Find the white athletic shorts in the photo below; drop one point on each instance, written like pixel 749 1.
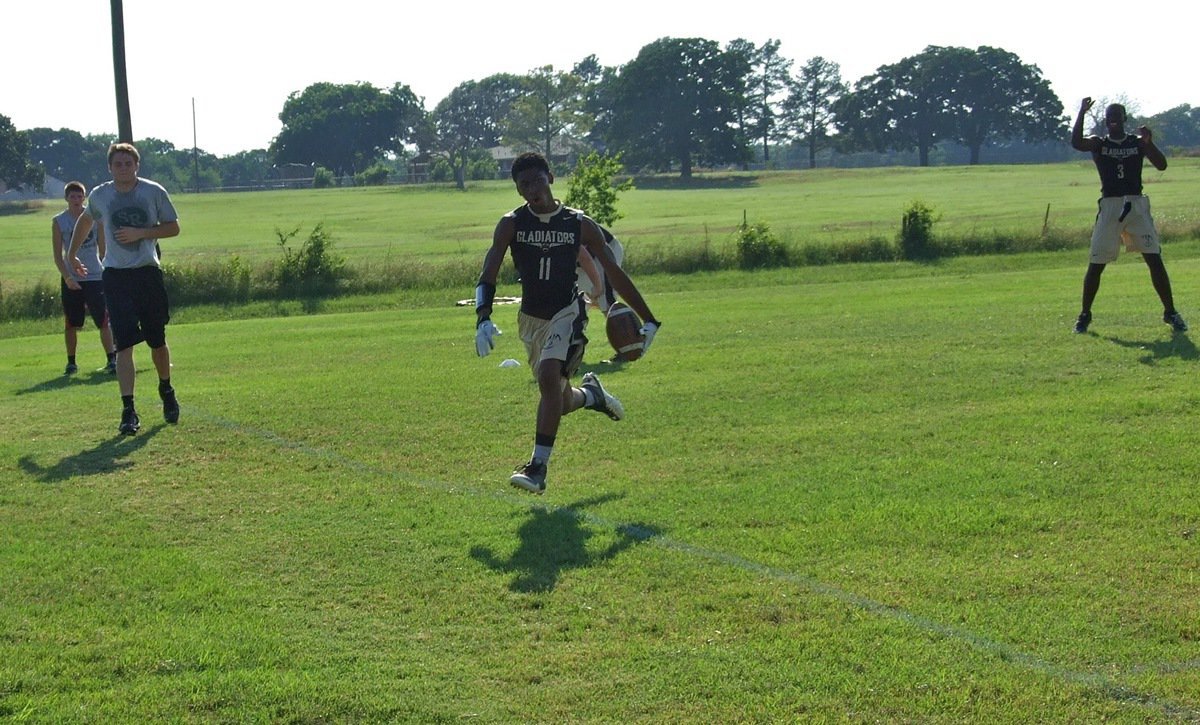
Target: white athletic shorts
pixel 1123 220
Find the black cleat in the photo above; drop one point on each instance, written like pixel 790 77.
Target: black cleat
pixel 1081 324
pixel 71 369
pixel 130 423
pixel 530 477
pixel 170 407
pixel 1175 320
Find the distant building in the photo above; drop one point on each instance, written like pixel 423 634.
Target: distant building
pixel 52 188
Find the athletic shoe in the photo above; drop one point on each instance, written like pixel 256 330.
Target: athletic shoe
pixel 130 423
pixel 1175 320
pixel 530 477
pixel 602 401
pixel 71 369
pixel 111 367
pixel 1081 324
pixel 170 407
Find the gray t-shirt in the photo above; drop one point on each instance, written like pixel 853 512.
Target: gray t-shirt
pixel 89 251
pixel 145 206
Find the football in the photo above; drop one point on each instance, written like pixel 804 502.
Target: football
pixel 624 332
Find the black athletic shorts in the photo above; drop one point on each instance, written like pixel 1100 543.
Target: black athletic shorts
pixel 88 299
pixel 137 306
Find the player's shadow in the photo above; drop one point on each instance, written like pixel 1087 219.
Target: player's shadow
pixel 554 540
pixel 60 382
pixel 106 456
pixel 1179 346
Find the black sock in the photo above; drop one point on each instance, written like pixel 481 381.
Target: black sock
pixel 70 359
pixel 127 401
pixel 164 386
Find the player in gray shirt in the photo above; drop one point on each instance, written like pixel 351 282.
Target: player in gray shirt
pixel 133 214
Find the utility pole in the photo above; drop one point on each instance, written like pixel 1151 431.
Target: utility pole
pixel 124 127
pixel 195 153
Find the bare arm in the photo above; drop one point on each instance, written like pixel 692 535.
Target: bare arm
pixel 56 239
pixel 1152 152
pixel 1078 141
pixel 83 227
pixel 624 286
pixel 501 239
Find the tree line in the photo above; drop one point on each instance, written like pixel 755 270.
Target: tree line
pixel 680 104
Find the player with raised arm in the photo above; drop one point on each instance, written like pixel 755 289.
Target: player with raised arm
pixel 1124 212
pixel 545 239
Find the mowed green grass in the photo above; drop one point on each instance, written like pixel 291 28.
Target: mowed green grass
pixel 886 493
pixel 429 224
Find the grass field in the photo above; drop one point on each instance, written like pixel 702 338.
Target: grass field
pixel 381 226
pixel 869 493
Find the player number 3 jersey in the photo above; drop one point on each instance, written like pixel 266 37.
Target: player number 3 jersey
pixel 1120 165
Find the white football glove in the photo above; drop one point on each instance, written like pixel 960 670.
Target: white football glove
pixel 485 335
pixel 649 330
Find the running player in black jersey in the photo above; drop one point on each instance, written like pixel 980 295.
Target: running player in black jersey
pixel 545 239
pixel 1124 213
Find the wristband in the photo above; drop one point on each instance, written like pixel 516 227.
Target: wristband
pixel 485 294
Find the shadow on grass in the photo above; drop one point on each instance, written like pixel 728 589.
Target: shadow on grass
pixel 106 457
pixel 554 540
pixel 1180 346
pixel 60 382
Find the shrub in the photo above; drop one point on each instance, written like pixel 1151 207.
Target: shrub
pixel 441 171
pixel 311 270
pixel 37 302
pixel 322 178
pixel 376 175
pixel 225 283
pixel 916 232
pixel 481 169
pixel 758 248
pixel 591 187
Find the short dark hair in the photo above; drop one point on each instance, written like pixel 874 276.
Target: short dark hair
pixel 530 160
pixel 74 186
pixel 1116 107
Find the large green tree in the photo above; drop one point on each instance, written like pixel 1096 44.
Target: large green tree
pixel 549 113
pixel 765 84
pixel 900 106
pixel 346 127
pixel 675 105
pixel 470 117
pixel 16 170
pixel 972 96
pixel 69 155
pixel 808 110
pixel 598 82
pixel 246 168
pixel 999 98
pixel 1176 127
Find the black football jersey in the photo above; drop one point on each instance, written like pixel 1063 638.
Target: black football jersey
pixel 545 254
pixel 1120 166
